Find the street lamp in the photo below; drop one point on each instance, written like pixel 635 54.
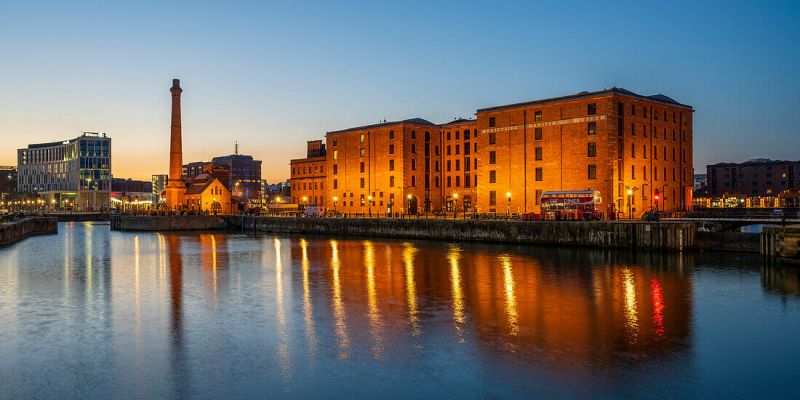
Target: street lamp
pixel 630 197
pixel 335 202
pixel 508 203
pixel 409 204
pixel 455 205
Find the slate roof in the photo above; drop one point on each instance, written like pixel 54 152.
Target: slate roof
pixel 414 121
pixel 615 90
pixel 199 183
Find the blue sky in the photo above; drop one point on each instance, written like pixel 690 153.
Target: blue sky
pixel 274 74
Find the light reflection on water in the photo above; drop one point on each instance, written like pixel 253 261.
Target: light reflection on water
pixel 98 314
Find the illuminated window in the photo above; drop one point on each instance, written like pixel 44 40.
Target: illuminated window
pixel 592 128
pixel 537 116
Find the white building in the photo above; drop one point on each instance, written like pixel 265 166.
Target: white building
pixel 73 173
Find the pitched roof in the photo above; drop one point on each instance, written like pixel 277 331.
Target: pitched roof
pixel 199 183
pixel 414 121
pixel 582 95
pixel 459 121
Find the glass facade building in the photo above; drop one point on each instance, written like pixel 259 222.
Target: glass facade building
pixel 75 172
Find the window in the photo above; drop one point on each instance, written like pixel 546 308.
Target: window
pixel 633 129
pixel 335 184
pixel 538 154
pixel 413 148
pixel 492 157
pixel 644 151
pixel 592 149
pixel 391 149
pixel 361 167
pixel 458 165
pixel 645 111
pixel 466 180
pixel 466 134
pixel 633 151
pixel 492 176
pixel 362 183
pixel 336 154
pixel 633 109
pixel 448 166
pixel 391 181
pixel 391 165
pixel 592 171
pixel 335 169
pixel 633 172
pixel 492 198
pixel 361 139
pixel 448 150
pixel 466 149
pixel 413 134
pixel 413 181
pixel 391 134
pixel 457 148
pixel 537 116
pixel 538 174
pixel 644 172
pixel 492 138
pixel 335 142
pixel 362 152
pixel 655 153
pixel 457 132
pixel 491 122
pixel 458 181
pixel 592 128
pixel 449 181
pixel 591 109
pixel 537 134
pixel 413 165
pixel 448 135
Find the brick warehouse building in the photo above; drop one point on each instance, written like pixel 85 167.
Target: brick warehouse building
pixel 308 175
pixel 614 141
pixel 386 167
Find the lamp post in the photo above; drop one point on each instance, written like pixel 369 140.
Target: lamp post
pixel 508 204
pixel 656 197
pixel 408 210
pixel 630 197
pixel 455 205
pixel 335 202
pixel 369 205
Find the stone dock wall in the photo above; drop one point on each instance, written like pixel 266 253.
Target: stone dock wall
pixel 11 232
pixel 167 223
pixel 633 235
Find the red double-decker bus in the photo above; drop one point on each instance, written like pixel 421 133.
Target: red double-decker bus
pixel 572 205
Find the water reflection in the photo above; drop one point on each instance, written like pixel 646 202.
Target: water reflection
pixel 216 315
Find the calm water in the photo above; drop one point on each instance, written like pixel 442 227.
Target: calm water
pixel 97 314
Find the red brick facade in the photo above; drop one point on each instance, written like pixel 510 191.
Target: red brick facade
pixel 614 141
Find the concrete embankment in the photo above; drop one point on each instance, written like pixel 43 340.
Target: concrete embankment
pixel 167 223
pixel 80 217
pixel 15 231
pixel 634 235
pixel 728 241
pixel 782 243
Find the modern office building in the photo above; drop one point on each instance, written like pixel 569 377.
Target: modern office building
pixel 245 176
pixel 74 172
pixel 159 185
pixel 308 175
pixel 635 150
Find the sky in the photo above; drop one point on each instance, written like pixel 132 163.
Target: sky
pixel 274 74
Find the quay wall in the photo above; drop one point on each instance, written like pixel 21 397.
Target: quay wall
pixel 11 232
pixel 633 235
pixel 167 223
pixel 728 241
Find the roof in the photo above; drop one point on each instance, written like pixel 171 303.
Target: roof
pixel 307 159
pixel 459 121
pixel 754 163
pixel 199 183
pixel 414 121
pixel 582 95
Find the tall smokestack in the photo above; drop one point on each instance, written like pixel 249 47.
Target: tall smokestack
pixel 175 185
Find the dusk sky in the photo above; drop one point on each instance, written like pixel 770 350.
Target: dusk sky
pixel 275 74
